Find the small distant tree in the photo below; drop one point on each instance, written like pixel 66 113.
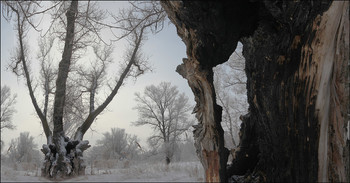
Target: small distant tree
pixel 23 149
pixel 164 109
pixel 7 108
pixel 117 144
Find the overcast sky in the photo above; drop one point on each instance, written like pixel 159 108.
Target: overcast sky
pixel 165 51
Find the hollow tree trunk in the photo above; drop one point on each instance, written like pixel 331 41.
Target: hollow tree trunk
pixel 205 36
pixel 296 57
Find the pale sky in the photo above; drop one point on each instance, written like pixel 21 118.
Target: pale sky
pixel 165 51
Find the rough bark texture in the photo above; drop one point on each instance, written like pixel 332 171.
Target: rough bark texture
pixel 209 135
pixel 203 29
pixel 296 56
pixel 63 69
pixel 296 90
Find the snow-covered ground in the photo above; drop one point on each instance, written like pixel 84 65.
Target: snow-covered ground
pixel 146 172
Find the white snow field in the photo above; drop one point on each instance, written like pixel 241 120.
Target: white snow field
pixel 147 172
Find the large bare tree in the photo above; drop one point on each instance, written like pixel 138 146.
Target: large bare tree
pixel 80 28
pixel 166 111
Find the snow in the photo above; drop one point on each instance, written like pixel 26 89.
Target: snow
pixel 146 172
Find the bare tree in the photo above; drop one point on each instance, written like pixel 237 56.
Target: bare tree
pixel 7 108
pixel 167 112
pixel 79 30
pixel 230 86
pixel 117 144
pixel 23 149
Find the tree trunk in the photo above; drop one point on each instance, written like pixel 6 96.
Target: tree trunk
pixel 296 92
pixel 207 47
pixel 296 56
pixel 64 157
pixel 209 135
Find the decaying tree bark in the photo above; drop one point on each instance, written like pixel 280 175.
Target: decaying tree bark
pixel 205 35
pixel 209 133
pixel 296 64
